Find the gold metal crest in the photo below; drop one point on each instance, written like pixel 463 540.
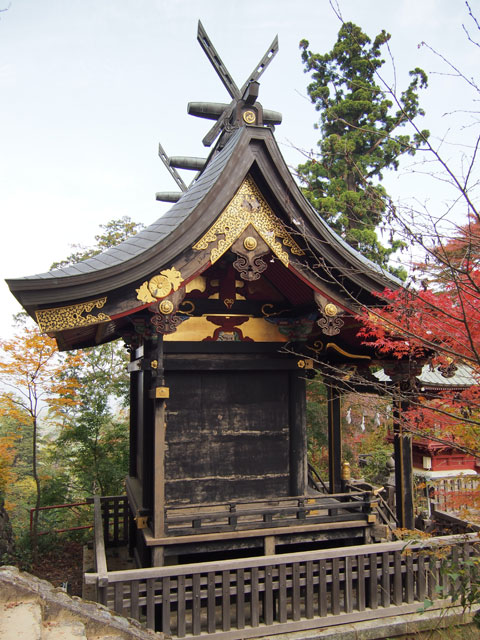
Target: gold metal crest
pixel 250 243
pixel 330 310
pixel 249 117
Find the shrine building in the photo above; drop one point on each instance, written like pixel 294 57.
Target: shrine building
pixel 228 303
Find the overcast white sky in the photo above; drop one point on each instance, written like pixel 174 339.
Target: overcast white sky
pixel 89 87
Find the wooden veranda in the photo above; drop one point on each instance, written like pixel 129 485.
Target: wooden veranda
pixel 272 594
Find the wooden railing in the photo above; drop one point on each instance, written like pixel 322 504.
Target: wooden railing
pixel 448 523
pixel 113 519
pixel 252 597
pixel 456 493
pixel 261 514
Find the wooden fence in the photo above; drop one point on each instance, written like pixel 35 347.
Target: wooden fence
pixel 455 494
pixel 253 597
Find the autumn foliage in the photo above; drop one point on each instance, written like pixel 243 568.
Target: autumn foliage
pixel 438 321
pixel 36 384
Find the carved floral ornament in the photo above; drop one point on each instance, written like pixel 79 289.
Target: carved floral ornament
pixel 248 207
pixel 160 286
pixel 164 295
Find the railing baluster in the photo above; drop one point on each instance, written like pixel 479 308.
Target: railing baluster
pixel 385 597
pixel 134 589
pixel 296 591
pixel 397 578
pixel 226 622
pixel 151 603
pixel 268 597
pixel 118 597
pixel 467 552
pixel 166 595
pixel 336 586
pixel 322 588
pixel 432 575
pixel 106 523
pixel 282 593
pixel 309 589
pixel 421 576
pixel 454 587
pixel 361 583
pixel 254 614
pixel 232 519
pixel 211 602
pixel 373 582
pixel 409 579
pixel 240 598
pixel 116 518
pixel 348 585
pixel 181 608
pixel 196 597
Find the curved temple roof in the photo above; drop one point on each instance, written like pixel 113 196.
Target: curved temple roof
pixel 67 299
pixel 142 253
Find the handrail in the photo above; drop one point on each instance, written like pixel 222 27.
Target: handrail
pixel 279 559
pixel 100 556
pixel 227 503
pixel 68 505
pixel 316 478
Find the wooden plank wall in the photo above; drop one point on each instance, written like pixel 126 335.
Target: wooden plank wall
pixel 227 436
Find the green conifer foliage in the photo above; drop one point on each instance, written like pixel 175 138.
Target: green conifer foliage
pixel 362 127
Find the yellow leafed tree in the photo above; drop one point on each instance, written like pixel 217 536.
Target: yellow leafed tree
pixel 34 383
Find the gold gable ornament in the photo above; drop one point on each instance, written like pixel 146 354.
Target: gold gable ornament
pixel 248 206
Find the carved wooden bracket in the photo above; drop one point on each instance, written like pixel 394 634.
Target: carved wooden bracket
pixel 330 322
pixel 250 248
pixel 165 319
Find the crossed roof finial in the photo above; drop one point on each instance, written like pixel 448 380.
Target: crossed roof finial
pixel 242 109
pixel 247 91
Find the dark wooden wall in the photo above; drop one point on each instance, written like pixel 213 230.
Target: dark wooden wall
pixel 227 435
pixel 235 427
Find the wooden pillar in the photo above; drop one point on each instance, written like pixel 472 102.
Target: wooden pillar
pixel 334 439
pixel 402 444
pixel 298 435
pixel 403 375
pixel 146 428
pixel 159 393
pixel 132 469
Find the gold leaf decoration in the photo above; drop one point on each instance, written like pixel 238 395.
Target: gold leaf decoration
pixel 248 206
pixel 173 276
pixel 160 285
pixel 144 294
pixel 72 316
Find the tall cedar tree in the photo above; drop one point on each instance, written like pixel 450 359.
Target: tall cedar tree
pixel 359 140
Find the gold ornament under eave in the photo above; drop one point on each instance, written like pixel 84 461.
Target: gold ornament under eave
pixel 159 285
